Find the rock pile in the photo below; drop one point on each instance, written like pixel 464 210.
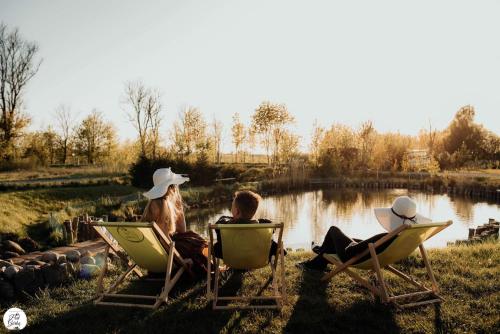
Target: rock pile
pixel 51 269
pixel 12 246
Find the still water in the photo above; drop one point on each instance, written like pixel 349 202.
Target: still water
pixel 308 215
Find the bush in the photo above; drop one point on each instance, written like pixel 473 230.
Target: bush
pixel 200 173
pixel 255 174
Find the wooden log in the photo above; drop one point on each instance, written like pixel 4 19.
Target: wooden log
pixel 472 232
pixel 74 228
pixel 69 232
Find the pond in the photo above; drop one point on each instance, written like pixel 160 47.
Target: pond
pixel 308 215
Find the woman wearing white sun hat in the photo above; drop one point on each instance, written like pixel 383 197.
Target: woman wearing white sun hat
pixel 165 207
pixel 403 210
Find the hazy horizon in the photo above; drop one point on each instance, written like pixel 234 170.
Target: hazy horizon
pixel 399 64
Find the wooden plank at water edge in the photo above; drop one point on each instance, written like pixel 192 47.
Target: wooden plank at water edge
pixel 93 246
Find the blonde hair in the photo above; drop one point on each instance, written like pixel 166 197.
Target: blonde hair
pixel 165 211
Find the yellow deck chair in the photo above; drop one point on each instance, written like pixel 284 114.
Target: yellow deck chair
pixel 247 246
pixel 147 247
pixel 408 238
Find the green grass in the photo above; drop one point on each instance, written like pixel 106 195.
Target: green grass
pixel 468 277
pixel 25 211
pixel 59 173
pixel 20 209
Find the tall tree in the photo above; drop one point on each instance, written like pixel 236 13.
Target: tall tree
pixel 217 128
pixel 65 122
pixel 316 139
pixel 17 67
pixel 190 132
pixel 95 138
pixel 41 146
pixel 463 134
pixel 366 136
pixel 289 148
pixel 269 120
pixel 238 134
pixel 145 114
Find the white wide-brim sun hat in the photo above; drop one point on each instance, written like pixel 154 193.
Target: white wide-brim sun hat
pixel 403 209
pixel 162 179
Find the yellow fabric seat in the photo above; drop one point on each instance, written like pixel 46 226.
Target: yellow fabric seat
pixel 247 247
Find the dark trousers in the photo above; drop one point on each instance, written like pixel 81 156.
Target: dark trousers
pixel 337 242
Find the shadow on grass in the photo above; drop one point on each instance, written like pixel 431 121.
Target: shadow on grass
pixel 187 311
pixel 316 311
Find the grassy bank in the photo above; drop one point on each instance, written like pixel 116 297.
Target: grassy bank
pixel 20 209
pixel 468 276
pixel 23 212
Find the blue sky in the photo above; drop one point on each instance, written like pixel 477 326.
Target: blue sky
pixel 398 63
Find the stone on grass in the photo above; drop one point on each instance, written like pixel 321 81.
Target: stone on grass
pixel 55 275
pixel 10 255
pixel 100 258
pixel 85 253
pixel 35 263
pixel 28 244
pixel 73 255
pixel 71 269
pixel 88 270
pixel 6 290
pixel 11 271
pixel 13 247
pixel 29 280
pixel 87 260
pixel 50 257
pixel 5 263
pixel 61 259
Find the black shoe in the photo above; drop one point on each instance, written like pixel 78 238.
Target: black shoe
pixel 309 265
pixel 316 249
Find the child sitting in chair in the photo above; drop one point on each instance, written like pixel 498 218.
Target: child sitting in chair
pixel 243 209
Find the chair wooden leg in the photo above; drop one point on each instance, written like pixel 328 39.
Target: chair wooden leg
pixel 121 278
pixel 100 287
pixel 209 272
pixel 435 287
pixel 282 272
pixel 380 277
pixel 216 284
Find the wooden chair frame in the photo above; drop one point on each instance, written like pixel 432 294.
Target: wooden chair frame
pixel 279 288
pixel 381 288
pixel 170 280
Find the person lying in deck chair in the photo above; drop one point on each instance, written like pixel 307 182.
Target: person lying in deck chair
pixel 403 209
pixel 243 209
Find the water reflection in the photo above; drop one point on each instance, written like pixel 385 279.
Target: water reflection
pixel 308 215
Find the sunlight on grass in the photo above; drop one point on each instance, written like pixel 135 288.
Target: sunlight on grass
pixel 466 274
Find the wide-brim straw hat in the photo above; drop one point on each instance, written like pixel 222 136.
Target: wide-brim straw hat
pixel 162 179
pixel 403 209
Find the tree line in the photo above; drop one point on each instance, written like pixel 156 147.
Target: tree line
pixel 334 150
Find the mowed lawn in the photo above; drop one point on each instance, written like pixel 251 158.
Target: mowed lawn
pixel 468 276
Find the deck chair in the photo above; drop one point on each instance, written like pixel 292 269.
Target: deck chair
pixel 147 247
pixel 247 247
pixel 408 238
